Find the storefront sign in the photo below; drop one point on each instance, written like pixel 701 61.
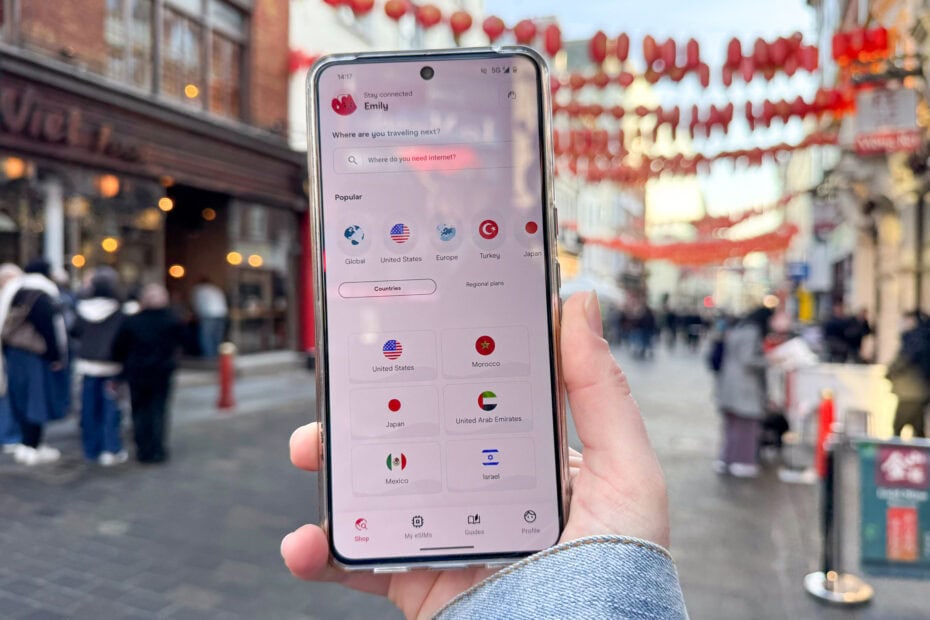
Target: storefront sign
pixel 23 113
pixel 886 121
pixel 895 508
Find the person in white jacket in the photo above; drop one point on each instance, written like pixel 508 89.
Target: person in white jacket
pixel 98 320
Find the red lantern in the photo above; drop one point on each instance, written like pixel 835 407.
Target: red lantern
pixel 668 54
pixel 552 39
pixel 693 54
pixel 428 15
pixel 809 58
pixel 623 47
pixel 778 52
pixel 597 47
pixel 334 3
pixel 650 50
pixel 362 7
pixel 727 76
pixel 460 22
pixel 494 27
pixel 395 9
pixel 601 79
pixel 555 85
pixel 734 54
pixel 524 31
pixel 704 74
pixel 625 79
pixel 577 81
pixel 760 54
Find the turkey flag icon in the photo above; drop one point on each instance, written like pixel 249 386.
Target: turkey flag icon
pixel 344 105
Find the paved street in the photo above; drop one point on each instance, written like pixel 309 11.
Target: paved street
pixel 199 538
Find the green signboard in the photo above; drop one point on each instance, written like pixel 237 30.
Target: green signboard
pixel 895 508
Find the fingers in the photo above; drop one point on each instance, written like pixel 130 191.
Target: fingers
pixel 306 554
pixel 305 447
pixel 606 416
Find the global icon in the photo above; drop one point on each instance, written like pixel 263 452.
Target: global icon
pixel 354 234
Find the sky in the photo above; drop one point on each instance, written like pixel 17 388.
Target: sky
pixel 713 23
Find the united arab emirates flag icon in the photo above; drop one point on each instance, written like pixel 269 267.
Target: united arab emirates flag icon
pixel 396 461
pixel 487 400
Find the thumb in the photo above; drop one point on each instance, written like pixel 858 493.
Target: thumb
pixel 606 417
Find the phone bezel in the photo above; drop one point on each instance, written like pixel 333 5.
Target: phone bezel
pixel 401 564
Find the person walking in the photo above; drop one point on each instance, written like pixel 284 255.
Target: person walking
pixel 147 345
pixel 909 374
pixel 34 344
pixel 98 320
pixel 834 335
pixel 741 395
pixel 11 436
pixel 857 330
pixel 209 303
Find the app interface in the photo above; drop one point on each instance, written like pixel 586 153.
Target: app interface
pixel 441 410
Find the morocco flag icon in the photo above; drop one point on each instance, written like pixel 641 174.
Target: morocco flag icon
pixel 396 461
pixel 484 345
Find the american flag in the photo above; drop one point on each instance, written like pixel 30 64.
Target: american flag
pixel 400 233
pixel 392 349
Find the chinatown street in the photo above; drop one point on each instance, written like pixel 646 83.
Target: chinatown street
pixel 199 538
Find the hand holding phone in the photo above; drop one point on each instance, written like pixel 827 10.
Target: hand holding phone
pixel 617 483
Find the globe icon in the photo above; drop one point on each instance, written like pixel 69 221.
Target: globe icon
pixel 354 234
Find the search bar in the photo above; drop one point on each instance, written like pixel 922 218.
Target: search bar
pixel 417 158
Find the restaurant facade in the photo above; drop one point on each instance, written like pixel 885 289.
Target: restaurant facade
pixel 149 135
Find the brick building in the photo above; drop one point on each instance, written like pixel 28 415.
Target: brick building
pixel 149 135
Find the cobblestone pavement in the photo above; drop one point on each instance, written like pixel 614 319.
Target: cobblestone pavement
pixel 199 537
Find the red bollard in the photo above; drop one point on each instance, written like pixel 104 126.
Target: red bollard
pixel 227 376
pixel 826 416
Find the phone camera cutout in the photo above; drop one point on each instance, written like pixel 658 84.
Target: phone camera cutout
pixel 427 73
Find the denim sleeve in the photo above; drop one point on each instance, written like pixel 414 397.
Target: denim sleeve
pixel 593 577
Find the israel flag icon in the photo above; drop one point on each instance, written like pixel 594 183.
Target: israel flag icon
pixel 490 458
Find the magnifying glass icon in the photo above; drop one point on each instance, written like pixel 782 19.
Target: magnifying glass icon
pixel 352 160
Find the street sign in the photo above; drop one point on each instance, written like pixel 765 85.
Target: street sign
pixel 798 271
pixel 895 501
pixel 886 121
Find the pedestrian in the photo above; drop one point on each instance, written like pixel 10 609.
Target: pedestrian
pixel 98 320
pixel 857 329
pixel 34 345
pixel 209 303
pixel 147 345
pixel 609 562
pixel 670 321
pixel 741 394
pixel 11 436
pixel 835 337
pixel 909 374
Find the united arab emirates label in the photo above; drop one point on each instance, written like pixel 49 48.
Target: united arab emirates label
pixel 895 508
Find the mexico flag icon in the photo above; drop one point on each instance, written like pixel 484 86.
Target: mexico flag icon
pixel 396 461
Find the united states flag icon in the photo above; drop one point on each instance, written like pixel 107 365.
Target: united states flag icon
pixel 392 349
pixel 400 233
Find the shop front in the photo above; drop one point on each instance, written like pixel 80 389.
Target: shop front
pixel 92 174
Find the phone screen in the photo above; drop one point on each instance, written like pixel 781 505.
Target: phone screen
pixel 442 416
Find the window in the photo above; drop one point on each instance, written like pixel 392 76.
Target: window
pixel 201 53
pixel 127 33
pixel 182 58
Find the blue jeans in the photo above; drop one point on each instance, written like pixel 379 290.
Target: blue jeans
pixel 100 418
pixel 211 331
pixel 10 433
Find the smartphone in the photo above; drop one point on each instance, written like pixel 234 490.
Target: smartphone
pixel 437 311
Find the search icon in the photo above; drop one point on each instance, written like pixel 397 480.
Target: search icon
pixel 352 160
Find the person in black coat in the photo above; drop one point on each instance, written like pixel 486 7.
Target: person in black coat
pixel 147 345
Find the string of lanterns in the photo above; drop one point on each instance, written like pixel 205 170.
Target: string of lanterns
pixel 600 162
pixel 700 252
pixel 667 58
